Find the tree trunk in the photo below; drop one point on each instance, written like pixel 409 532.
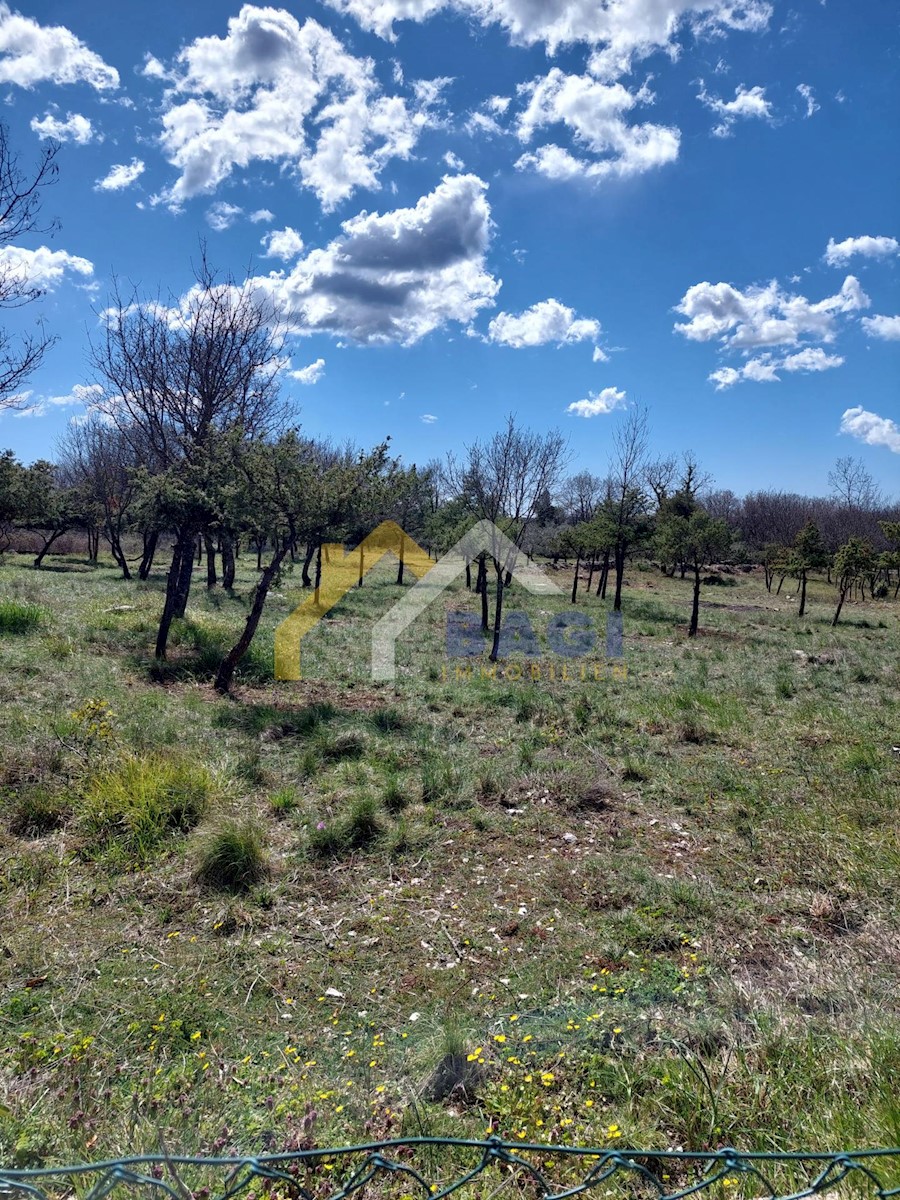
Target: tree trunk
pixel 210 547
pixel 150 540
pixel 695 607
pixel 115 547
pixel 229 663
pixel 47 544
pixel 498 616
pixel 198 549
pixel 481 589
pixel 93 539
pixel 305 577
pixel 780 585
pixel 182 551
pixel 400 565
pixel 185 578
pixel 620 571
pixel 228 563
pixel 592 566
pixel 575 580
pixel 604 576
pixel 362 565
pixel 841 598
pixel 802 594
pixel 259 553
pixel 318 571
pixel 468 576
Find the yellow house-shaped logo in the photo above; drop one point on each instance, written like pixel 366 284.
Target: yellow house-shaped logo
pixel 339 573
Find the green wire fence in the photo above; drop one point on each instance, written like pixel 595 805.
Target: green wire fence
pixel 437 1167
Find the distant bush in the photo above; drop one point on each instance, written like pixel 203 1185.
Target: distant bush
pixel 129 810
pixel 19 618
pixel 232 858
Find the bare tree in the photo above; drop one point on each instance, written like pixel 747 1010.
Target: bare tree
pixel 504 480
pixel 628 496
pixel 20 201
pixel 852 485
pixel 189 385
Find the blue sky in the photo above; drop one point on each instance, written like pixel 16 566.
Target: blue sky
pixel 463 208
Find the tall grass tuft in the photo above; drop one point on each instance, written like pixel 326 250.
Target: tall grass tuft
pixel 130 810
pixel 19 618
pixel 232 858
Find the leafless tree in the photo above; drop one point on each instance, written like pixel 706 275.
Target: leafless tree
pixel 503 480
pixel 628 496
pixel 20 201
pixel 852 485
pixel 187 384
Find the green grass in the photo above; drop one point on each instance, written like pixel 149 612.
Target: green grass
pixel 675 891
pixel 19 618
pixel 130 809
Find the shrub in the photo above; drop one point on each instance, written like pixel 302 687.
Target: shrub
pixel 131 809
pixel 232 858
pixel 19 618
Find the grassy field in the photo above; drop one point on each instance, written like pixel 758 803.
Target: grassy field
pixel 654 909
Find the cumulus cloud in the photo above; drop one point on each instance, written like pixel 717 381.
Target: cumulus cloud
pixel 75 128
pixel 765 368
pixel 283 243
pixel 886 328
pixel 838 254
pixel 396 276
pixel 311 374
pixel 620 29
pixel 222 215
pixel 606 144
pixel 747 102
pixel 261 214
pixel 120 176
pixel 428 418
pixel 807 93
pixel 43 268
pixel 598 403
pixel 764 316
pixel 273 90
pixel 543 323
pixel 868 427
pixel 31 53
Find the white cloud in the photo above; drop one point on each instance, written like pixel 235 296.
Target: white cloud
pixel 428 418
pixel 283 243
pixel 81 395
pixel 868 427
pixel 545 322
pixel 453 161
pixel 807 93
pixel 764 316
pixel 764 368
pixel 222 215
pixel 75 128
pixel 811 359
pixel 838 254
pixel 747 102
pixel 599 355
pixel 31 53
pixel 886 328
pixel 395 277
pixel 311 374
pixel 120 176
pixel 607 145
pixel 261 214
pixel 273 90
pixel 42 268
pixel 625 29
pixel 598 403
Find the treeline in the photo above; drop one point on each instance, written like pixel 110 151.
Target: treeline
pixel 190 449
